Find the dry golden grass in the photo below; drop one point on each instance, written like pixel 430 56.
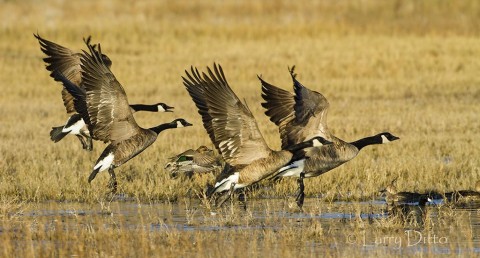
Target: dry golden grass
pixel 407 67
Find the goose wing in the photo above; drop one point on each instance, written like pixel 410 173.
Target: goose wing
pixel 109 113
pixel 235 130
pixel 64 61
pixel 195 87
pixel 310 107
pixel 299 117
pixel 279 105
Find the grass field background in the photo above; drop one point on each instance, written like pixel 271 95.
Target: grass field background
pixel 407 67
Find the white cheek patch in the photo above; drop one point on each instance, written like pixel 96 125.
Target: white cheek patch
pixel 317 143
pixel 384 139
pixel 104 163
pixel 179 124
pixel 160 108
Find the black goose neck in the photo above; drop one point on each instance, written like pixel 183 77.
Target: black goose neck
pixel 367 141
pixel 298 146
pixel 142 107
pixel 160 128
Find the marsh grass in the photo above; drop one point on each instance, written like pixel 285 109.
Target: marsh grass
pixel 399 66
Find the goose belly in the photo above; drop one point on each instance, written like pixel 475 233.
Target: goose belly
pixel 329 159
pixel 226 183
pixel 264 167
pixel 129 148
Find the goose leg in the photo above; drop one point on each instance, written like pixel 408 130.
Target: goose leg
pixel 243 199
pixel 84 144
pixel 300 192
pixel 89 140
pixel 112 183
pixel 227 195
pixel 89 143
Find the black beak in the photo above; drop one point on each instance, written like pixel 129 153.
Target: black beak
pixel 168 108
pixel 188 124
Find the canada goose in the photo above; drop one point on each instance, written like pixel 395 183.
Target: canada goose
pixel 103 104
pixel 67 62
pixel 234 132
pixel 189 162
pixel 301 116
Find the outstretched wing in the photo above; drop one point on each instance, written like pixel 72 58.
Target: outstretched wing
pixel 299 117
pixel 235 130
pixel 279 105
pixel 65 62
pixel 110 115
pixel 195 87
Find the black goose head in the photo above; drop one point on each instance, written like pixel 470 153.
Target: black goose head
pixel 318 141
pixel 380 138
pixel 387 137
pixel 177 123
pixel 180 122
pixel 162 107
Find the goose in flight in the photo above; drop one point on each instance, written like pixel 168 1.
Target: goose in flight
pixel 67 62
pixel 234 132
pixel 301 116
pixel 103 105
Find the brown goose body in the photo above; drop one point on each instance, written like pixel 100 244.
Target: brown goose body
pixel 324 159
pixel 127 149
pixel 263 167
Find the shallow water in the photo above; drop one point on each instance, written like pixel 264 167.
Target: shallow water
pixel 361 226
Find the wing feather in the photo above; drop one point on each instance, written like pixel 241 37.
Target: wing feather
pixel 64 61
pixel 110 115
pixel 300 116
pixel 235 130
